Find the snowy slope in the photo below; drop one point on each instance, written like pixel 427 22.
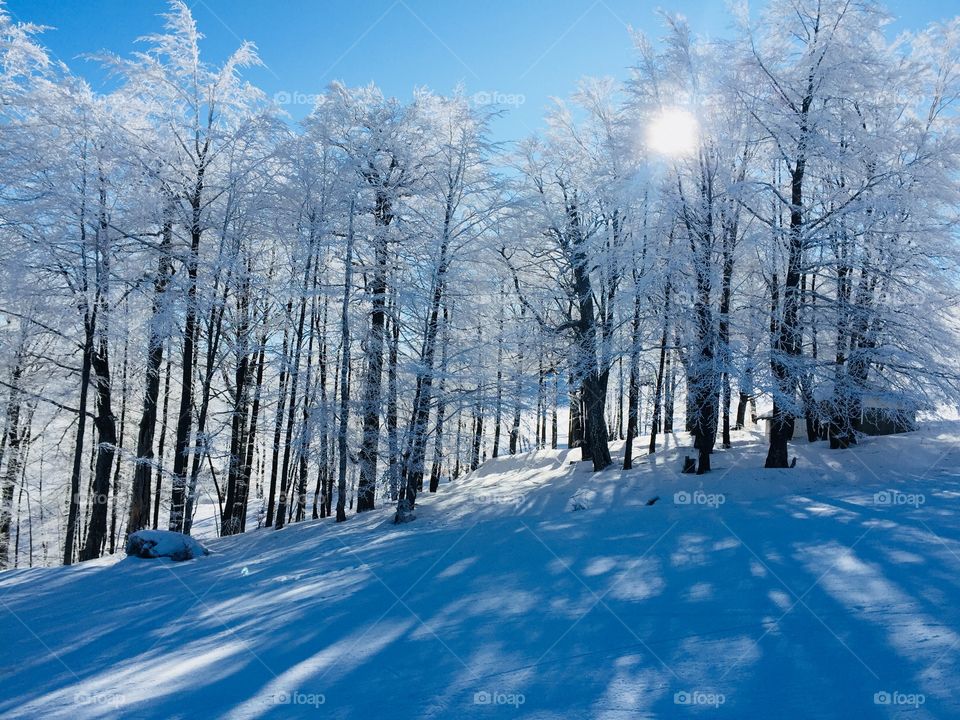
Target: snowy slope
pixel 797 593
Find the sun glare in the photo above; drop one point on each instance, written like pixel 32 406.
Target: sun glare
pixel 673 132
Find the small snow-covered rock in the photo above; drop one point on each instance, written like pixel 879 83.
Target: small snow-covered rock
pixel 164 543
pixel 582 499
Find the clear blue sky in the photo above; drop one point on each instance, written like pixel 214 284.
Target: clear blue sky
pixel 530 48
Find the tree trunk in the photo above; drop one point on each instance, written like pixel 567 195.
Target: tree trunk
pixel 412 466
pixel 106 449
pixel 234 502
pixel 477 431
pixel 787 346
pixel 437 468
pixel 554 420
pixel 139 517
pixel 593 370
pixel 74 511
pixel 161 445
pixel 123 421
pixel 323 471
pixel 278 421
pixel 12 443
pixel 575 425
pixel 294 377
pixel 190 333
pixel 633 383
pixel 393 450
pixel 344 375
pixel 498 403
pixel 367 486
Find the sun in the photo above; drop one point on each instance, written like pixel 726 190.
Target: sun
pixel 673 132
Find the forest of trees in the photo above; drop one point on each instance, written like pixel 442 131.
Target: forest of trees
pixel 204 303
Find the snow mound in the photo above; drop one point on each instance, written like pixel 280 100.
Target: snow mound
pixel 582 499
pixel 164 543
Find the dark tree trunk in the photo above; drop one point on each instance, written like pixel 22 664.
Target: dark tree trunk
pixel 661 381
pixel 669 393
pixel 620 397
pixel 323 471
pixel 285 475
pixel 594 382
pixel 498 403
pixel 367 486
pixel 554 420
pixel 309 396
pixel 106 449
pixel 190 331
pixel 140 490
pixel 438 458
pixel 456 466
pixel 231 518
pixel 724 337
pixel 119 451
pixel 344 376
pixel 214 334
pixel 745 398
pixel 477 434
pixel 74 511
pixel 393 445
pixel 246 469
pixel 742 402
pixel 633 385
pixel 412 466
pixel 12 441
pixel 161 445
pixel 278 421
pixel 787 346
pixel 575 428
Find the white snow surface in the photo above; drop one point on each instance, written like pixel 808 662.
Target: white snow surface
pixel 826 591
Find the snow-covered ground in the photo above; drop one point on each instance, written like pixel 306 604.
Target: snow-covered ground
pixel 830 590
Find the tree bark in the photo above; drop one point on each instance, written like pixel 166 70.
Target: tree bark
pixel 190 332
pixel 367 485
pixel 344 376
pixel 139 517
pixel 106 449
pixel 12 442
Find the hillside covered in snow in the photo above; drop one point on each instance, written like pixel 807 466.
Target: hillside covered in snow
pixel 535 588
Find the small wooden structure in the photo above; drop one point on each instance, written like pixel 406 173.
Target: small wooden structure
pixel 884 416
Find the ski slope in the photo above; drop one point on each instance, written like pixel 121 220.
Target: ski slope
pixel 826 591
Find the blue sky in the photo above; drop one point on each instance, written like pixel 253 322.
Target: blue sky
pixel 519 49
